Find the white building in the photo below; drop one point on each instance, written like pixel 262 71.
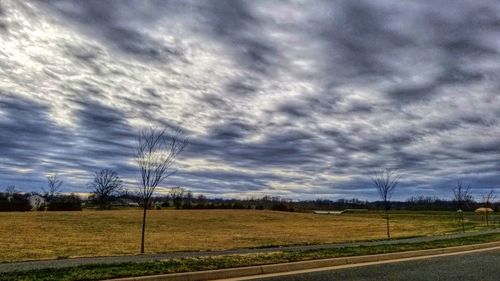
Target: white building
pixel 36 201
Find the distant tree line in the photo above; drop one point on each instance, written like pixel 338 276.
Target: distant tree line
pixel 181 198
pixel 18 202
pixel 50 199
pixel 14 202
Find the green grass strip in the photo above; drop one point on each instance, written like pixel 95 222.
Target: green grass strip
pixel 108 271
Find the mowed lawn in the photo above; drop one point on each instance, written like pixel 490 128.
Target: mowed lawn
pixel 45 235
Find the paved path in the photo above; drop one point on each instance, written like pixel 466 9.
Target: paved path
pixel 483 266
pixel 21 266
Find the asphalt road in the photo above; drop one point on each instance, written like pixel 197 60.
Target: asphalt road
pixel 483 266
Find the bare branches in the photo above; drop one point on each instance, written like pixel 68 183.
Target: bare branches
pixel 489 198
pixel 461 195
pixel 386 180
pixel 156 152
pixel 177 194
pixel 53 186
pixel 11 190
pixel 106 182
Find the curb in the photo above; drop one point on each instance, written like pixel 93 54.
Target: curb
pixel 302 265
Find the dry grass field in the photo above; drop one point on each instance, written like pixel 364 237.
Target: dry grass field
pixel 44 235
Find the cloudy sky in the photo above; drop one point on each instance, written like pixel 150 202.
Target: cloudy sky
pixel 299 99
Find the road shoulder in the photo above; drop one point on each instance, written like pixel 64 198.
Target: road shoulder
pixel 273 270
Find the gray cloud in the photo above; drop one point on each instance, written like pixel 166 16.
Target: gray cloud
pixel 26 129
pixel 293 98
pixel 105 19
pixel 3 24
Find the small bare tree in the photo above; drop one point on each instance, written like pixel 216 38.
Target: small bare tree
pixel 201 201
pixel 386 180
pixel 106 182
pixel 11 190
pixel 53 186
pixel 177 194
pixel 488 200
pixel 156 152
pixel 461 196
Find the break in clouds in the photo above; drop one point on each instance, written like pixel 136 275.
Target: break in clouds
pixel 299 99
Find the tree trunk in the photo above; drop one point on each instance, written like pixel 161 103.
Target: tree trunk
pixel 487 221
pixel 143 226
pixel 387 221
pixel 462 218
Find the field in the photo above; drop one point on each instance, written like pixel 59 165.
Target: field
pixel 45 235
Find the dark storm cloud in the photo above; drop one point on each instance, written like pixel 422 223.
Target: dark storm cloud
pixel 234 23
pixel 488 146
pixel 295 110
pixel 358 39
pixel 86 57
pixel 3 24
pixel 328 105
pixel 214 101
pixel 366 38
pixel 230 21
pixel 231 130
pixel 26 131
pixel 28 139
pixel 105 19
pixel 274 94
pixel 96 117
pixel 240 88
pixel 409 94
pixel 232 180
pixel 105 131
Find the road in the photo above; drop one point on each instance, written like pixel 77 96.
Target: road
pixel 482 266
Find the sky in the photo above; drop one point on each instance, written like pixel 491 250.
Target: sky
pixel 298 99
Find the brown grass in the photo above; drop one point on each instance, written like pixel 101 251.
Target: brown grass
pixel 42 235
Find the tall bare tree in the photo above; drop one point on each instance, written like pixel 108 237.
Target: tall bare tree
pixel 53 186
pixel 488 200
pixel 106 182
pixel 461 196
pixel 386 180
pixel 156 153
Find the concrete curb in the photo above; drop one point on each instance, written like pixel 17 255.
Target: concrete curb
pixel 302 265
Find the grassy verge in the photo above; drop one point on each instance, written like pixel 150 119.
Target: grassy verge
pixel 101 271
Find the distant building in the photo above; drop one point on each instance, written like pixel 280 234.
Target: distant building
pixel 328 212
pixel 323 212
pixel 483 210
pixel 36 201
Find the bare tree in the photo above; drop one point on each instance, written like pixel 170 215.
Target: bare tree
pixel 11 190
pixel 488 200
pixel 188 202
pixel 201 201
pixel 156 153
pixel 106 182
pixel 53 186
pixel 462 196
pixel 386 180
pixel 177 194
